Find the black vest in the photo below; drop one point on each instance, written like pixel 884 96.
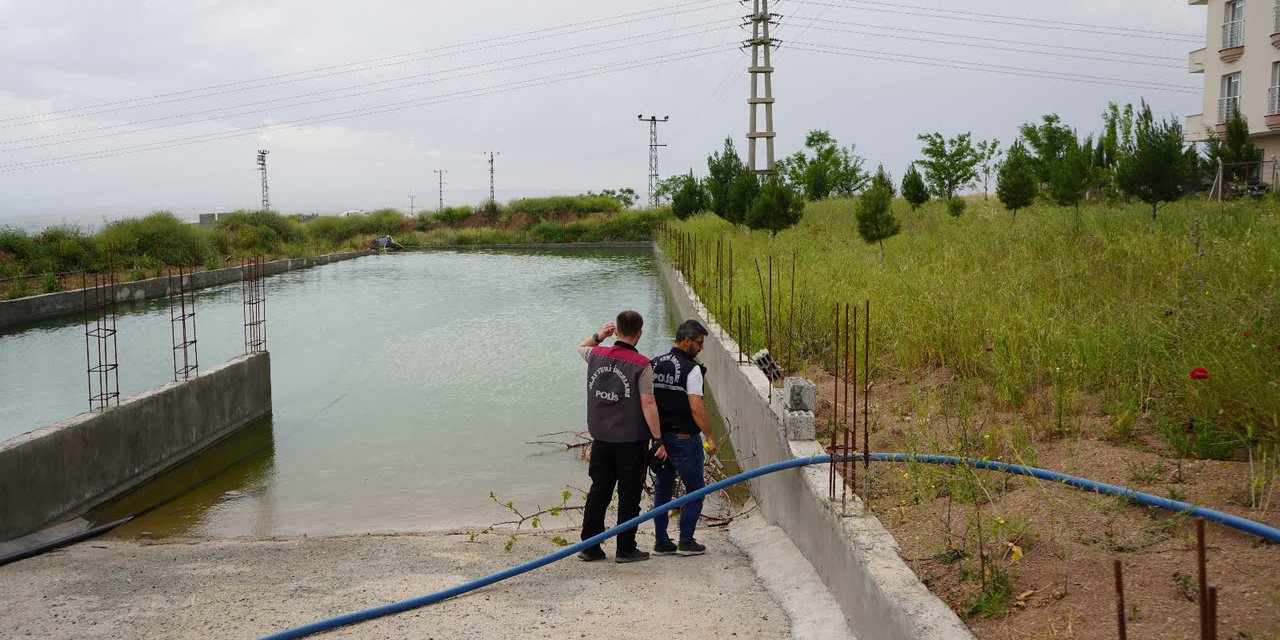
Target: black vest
pixel 670 375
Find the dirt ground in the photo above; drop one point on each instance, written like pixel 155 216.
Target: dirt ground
pixel 248 588
pixel 1056 545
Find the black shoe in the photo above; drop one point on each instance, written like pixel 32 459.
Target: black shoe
pixel 634 555
pixel 664 548
pixel 591 554
pixel 691 548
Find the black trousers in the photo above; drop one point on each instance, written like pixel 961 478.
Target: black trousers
pixel 620 464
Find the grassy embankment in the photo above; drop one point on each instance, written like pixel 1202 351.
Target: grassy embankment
pixel 140 248
pixel 1053 340
pixel 1044 309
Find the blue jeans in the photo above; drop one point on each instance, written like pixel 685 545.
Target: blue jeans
pixel 686 458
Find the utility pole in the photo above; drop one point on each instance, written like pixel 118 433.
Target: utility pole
pixel 761 65
pixel 491 155
pixel 440 173
pixel 262 167
pixel 410 205
pixel 653 155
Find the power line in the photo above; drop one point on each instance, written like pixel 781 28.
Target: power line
pixel 1051 22
pixel 995 48
pixel 686 7
pixel 525 62
pixel 395 106
pixel 896 29
pixel 1052 25
pixel 989 68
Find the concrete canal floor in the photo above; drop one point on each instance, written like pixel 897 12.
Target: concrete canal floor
pixel 202 588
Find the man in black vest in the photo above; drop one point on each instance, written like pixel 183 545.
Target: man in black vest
pixel 621 417
pixel 677 385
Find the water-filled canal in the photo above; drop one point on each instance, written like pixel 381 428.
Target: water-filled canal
pixel 406 388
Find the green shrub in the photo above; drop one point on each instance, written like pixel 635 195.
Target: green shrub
pixel 255 232
pixel 452 215
pixel 65 249
pixel 17 244
pixel 330 229
pixel 548 232
pixel 49 283
pixel 18 288
pixel 956 206
pixel 540 209
pixel 159 236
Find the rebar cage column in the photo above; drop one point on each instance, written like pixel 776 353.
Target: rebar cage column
pixel 182 324
pixel 100 348
pixel 255 305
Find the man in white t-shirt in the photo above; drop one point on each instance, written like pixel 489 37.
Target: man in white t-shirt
pixel 677 386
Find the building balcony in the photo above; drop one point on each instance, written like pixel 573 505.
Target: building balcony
pixel 1232 41
pixel 1275 26
pixel 1273 108
pixel 1195 61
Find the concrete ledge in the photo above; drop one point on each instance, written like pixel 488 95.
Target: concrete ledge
pixel 51 305
pixel 61 470
pixel 852 552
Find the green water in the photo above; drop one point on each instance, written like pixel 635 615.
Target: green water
pixel 406 388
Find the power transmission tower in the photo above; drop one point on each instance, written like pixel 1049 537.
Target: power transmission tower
pixel 491 155
pixel 262 167
pixel 411 205
pixel 761 69
pixel 440 173
pixel 653 155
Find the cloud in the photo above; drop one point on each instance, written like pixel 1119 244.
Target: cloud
pixel 242 65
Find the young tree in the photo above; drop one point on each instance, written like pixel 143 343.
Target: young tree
pixel 776 207
pixel 626 195
pixel 1156 169
pixel 689 197
pixel 740 196
pixel 989 153
pixel 913 188
pixel 1235 149
pixel 1072 175
pixel 830 170
pixel 875 211
pixel 723 170
pixel 1049 141
pixel 883 180
pixel 949 165
pixel 1117 136
pixel 1016 184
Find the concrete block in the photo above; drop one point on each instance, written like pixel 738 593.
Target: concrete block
pixel 801 394
pixel 799 425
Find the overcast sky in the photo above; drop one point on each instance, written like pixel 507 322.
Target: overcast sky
pixel 123 107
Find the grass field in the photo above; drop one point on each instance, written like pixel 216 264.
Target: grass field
pixel 1041 308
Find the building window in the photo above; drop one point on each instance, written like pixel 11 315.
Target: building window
pixel 1273 93
pixel 1233 25
pixel 1230 101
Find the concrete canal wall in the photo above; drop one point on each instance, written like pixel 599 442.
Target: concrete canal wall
pixel 61 470
pixel 51 305
pixel 852 552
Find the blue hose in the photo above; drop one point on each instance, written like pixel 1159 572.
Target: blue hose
pixel 1256 528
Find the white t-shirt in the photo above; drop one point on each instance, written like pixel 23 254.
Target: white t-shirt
pixel 693 386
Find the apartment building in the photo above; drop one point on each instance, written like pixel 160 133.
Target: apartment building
pixel 1241 67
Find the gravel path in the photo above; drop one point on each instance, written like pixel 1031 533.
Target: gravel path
pixel 247 588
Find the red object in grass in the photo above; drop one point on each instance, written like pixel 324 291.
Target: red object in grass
pixel 1199 373
pixel 1247 334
